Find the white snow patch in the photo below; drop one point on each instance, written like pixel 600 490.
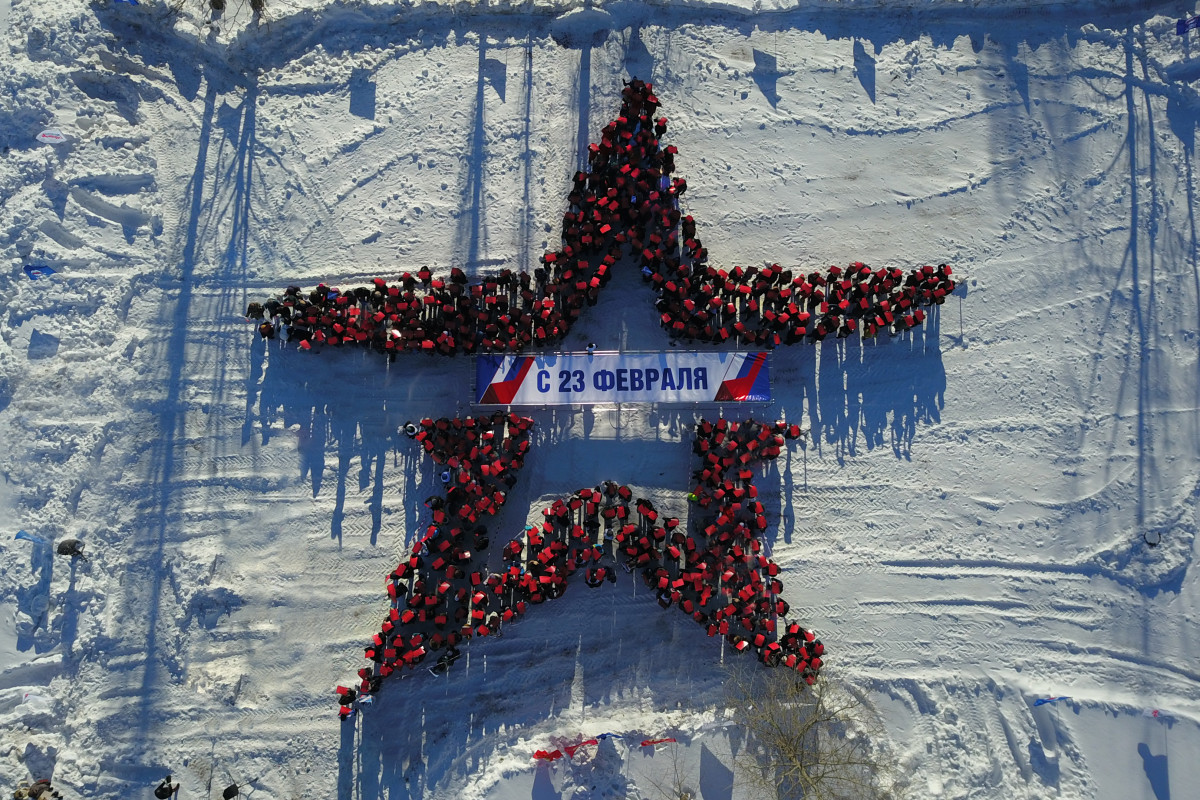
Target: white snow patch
pixel 9 655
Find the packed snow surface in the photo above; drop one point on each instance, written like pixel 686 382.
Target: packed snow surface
pixel 967 526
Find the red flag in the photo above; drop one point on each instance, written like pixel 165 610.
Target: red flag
pixel 648 742
pixel 553 755
pixel 571 748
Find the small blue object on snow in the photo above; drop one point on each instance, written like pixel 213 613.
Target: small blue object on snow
pixel 131 2
pixel 39 271
pixel 1041 701
pixel 1185 25
pixel 30 537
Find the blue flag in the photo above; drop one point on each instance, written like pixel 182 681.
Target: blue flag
pixel 1185 25
pixel 30 537
pixel 39 271
pixel 1041 701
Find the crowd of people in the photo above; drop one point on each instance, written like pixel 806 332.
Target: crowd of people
pixel 437 593
pixel 772 306
pixel 716 570
pixel 626 202
pixel 738 583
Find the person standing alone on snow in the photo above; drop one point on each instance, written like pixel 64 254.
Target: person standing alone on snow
pixel 165 789
pixel 72 548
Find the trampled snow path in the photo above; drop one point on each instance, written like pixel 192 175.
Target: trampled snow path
pixel 964 529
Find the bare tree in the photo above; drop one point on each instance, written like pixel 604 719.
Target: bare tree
pixel 819 742
pixel 673 783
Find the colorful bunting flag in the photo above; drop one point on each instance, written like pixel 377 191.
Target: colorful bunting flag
pixel 571 748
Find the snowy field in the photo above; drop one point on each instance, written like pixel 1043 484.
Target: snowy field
pixel 966 527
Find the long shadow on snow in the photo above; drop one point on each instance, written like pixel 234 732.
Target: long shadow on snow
pixel 33 600
pixel 1134 292
pixel 226 342
pixel 346 29
pixel 1138 358
pixel 472 225
pixel 525 257
pixel 864 392
pixel 555 669
pixel 293 36
pixel 160 504
pixel 1183 116
pixel 309 397
pixel 160 501
pixel 1161 310
pixel 1143 325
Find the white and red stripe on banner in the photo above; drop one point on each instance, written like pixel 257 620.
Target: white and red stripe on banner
pixel 588 378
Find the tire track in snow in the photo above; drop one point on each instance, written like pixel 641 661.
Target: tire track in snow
pixel 1014 602
pixel 1092 652
pixel 272 461
pixel 1083 617
pixel 889 658
pixel 937 567
pixel 970 630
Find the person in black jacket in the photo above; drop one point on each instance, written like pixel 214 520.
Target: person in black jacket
pixel 72 548
pixel 165 789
